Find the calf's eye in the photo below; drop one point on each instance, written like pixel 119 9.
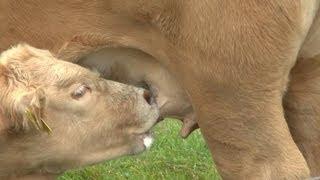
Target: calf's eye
pixel 80 91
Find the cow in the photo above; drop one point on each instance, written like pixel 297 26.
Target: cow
pixel 248 67
pixel 57 115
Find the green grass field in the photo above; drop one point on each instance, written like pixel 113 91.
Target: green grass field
pixel 170 157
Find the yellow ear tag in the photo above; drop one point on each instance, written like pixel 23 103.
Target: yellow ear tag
pixel 32 118
pixel 46 127
pixel 43 126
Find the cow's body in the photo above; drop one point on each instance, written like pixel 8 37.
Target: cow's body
pixel 233 57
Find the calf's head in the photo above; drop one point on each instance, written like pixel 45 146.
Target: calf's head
pixel 55 115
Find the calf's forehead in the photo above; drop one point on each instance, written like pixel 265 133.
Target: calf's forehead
pixel 57 70
pixel 67 73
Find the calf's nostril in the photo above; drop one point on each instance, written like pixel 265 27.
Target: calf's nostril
pixel 147 96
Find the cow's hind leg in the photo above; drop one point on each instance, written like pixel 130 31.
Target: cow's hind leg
pixel 302 108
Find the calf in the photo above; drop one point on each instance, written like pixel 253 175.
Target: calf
pixel 87 119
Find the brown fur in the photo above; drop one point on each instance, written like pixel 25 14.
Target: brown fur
pixel 233 57
pixel 36 95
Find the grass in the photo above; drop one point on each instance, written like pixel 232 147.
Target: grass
pixel 170 157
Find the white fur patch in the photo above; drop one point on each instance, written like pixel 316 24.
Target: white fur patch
pixel 147 141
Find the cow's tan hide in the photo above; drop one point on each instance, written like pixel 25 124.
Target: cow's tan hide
pixel 237 58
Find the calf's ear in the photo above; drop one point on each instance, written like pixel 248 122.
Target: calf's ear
pixel 21 109
pixel 31 107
